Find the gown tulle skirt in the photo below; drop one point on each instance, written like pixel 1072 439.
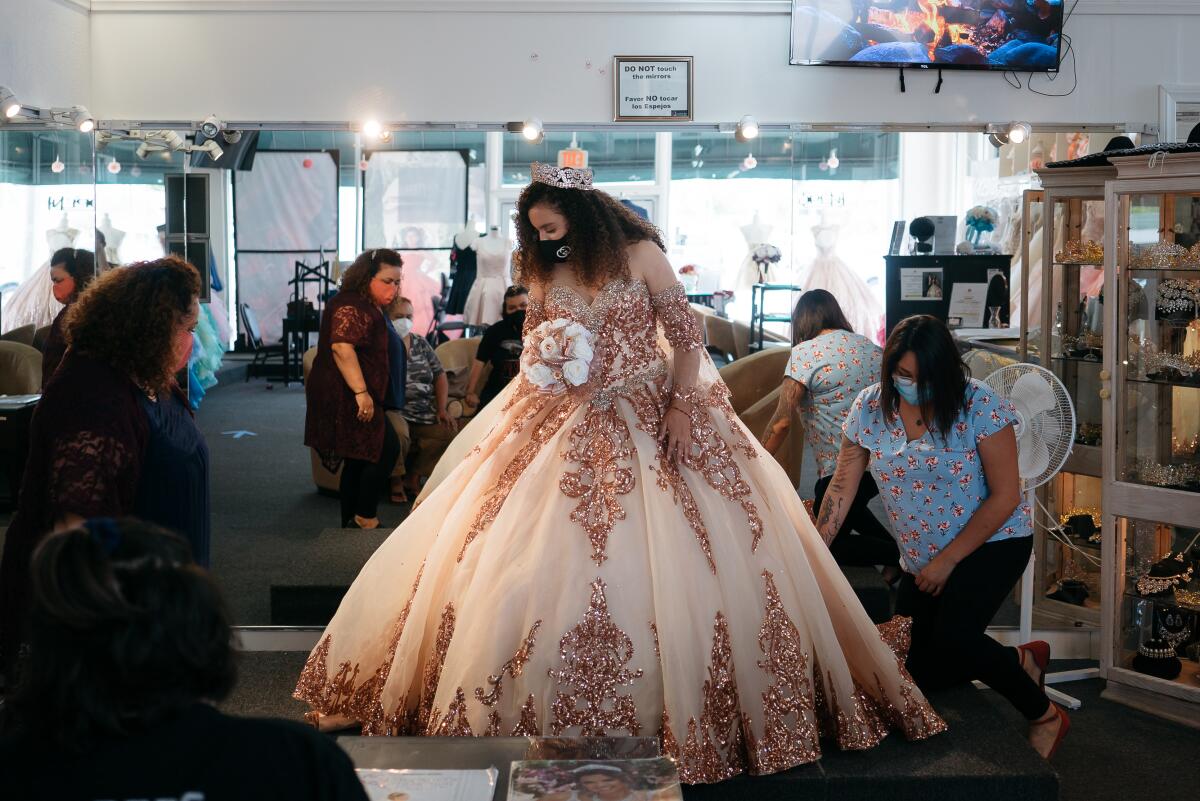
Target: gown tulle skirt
pixel 562 578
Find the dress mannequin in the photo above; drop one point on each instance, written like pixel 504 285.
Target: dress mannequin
pixel 756 233
pixel 486 300
pixel 33 302
pixel 112 238
pixel 463 267
pixel 830 273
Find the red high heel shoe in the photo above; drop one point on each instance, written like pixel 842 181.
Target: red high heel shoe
pixel 1039 650
pixel 1061 715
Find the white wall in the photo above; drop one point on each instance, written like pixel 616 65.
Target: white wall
pixel 45 51
pixel 460 60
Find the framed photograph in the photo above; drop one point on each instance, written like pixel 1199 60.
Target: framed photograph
pixel 652 89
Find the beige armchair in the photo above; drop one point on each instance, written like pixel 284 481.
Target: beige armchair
pixel 20 369
pixel 754 392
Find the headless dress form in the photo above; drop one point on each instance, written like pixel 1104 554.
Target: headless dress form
pixel 485 301
pixel 756 234
pixel 830 273
pixel 112 240
pixel 33 301
pixel 462 274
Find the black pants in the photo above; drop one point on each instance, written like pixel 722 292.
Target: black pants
pixel 950 644
pixel 362 481
pixel 874 544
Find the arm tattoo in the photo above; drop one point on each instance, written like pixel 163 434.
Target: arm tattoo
pixel 852 461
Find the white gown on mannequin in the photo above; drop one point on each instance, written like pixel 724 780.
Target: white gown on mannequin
pixel 830 273
pixel 33 301
pixel 485 302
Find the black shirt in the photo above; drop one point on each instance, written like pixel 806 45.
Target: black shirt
pixel 198 755
pixel 501 346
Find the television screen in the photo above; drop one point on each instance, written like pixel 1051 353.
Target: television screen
pixel 1021 35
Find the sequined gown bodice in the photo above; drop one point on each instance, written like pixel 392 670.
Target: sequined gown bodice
pixel 622 318
pixel 565 577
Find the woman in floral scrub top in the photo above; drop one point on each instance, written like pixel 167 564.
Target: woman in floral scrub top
pixel 943 451
pixel 830 365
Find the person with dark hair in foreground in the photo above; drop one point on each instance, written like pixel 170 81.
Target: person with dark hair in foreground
pixel 113 434
pixel 130 643
pixel 943 450
pixel 71 270
pixel 348 385
pixel 830 365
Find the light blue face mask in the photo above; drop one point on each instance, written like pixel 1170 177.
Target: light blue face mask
pixel 907 389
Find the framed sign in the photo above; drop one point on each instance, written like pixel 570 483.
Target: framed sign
pixel 652 89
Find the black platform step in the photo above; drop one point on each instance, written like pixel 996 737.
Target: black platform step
pixel 981 757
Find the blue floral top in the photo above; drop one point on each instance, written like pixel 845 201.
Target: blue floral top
pixel 833 367
pixel 931 487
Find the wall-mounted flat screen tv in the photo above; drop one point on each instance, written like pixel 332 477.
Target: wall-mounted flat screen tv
pixel 1019 35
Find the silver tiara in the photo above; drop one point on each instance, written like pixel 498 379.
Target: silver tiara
pixel 562 177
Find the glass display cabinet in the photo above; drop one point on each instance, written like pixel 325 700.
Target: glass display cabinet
pixel 1151 388
pixel 1065 312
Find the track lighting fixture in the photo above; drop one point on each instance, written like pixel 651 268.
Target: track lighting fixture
pixel 1018 132
pixel 372 129
pixel 211 126
pixel 747 129
pixel 82 119
pixel 9 105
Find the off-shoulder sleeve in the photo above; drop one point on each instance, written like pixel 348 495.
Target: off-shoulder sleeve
pixel 679 324
pixel 350 325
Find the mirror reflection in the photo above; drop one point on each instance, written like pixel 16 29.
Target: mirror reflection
pixel 274 223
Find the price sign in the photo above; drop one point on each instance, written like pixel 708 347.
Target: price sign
pixel 573 157
pixel 652 88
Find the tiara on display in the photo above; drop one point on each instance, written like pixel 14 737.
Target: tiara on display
pixel 562 177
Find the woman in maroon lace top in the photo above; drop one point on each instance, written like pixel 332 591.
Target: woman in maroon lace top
pixel 348 382
pixel 71 270
pixel 112 436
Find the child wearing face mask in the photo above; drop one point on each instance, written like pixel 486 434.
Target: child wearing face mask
pixel 71 270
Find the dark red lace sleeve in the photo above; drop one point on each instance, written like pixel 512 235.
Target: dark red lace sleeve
pixel 350 325
pixel 89 474
pixel 673 313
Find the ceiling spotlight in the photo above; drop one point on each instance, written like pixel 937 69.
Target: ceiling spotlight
pixel 211 126
pixel 231 137
pixel 213 149
pixel 532 130
pixel 9 106
pixel 372 128
pixel 998 140
pixel 82 120
pixel 57 166
pixel 385 135
pixel 1018 132
pixel 747 129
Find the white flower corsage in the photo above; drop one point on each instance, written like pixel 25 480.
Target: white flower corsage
pixel 561 356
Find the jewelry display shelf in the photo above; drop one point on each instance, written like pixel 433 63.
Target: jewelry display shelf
pixel 1148 215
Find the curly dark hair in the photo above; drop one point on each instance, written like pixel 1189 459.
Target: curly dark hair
pixel 600 231
pixel 357 277
pixel 125 630
pixel 79 264
pixel 127 318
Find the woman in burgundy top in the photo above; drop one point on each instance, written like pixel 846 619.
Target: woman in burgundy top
pixel 112 435
pixel 71 270
pixel 348 382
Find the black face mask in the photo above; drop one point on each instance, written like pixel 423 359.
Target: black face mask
pixel 555 251
pixel 517 319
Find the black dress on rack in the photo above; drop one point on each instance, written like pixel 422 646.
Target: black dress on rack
pixel 462 276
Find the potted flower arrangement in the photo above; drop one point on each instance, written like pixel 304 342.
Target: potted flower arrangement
pixel 980 220
pixel 689 276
